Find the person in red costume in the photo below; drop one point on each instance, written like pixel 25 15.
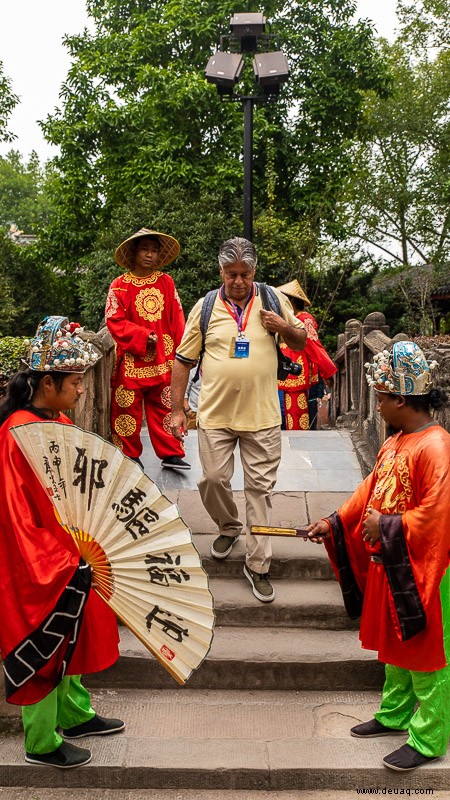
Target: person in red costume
pixel 389 545
pixel 145 318
pixel 314 359
pixel 45 586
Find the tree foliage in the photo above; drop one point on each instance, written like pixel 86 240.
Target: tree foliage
pixel 400 193
pixel 30 289
pixel 139 118
pixel 23 192
pixel 8 101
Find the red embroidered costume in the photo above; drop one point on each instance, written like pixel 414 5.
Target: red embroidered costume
pixel 135 308
pixel 314 360
pixel 38 560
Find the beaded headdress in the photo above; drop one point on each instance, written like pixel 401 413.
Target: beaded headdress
pixel 57 347
pixel 403 371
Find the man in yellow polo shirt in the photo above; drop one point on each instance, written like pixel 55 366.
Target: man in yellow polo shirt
pixel 238 402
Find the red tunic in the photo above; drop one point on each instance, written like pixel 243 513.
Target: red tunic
pixel 37 561
pixel 410 486
pixel 135 308
pixel 313 358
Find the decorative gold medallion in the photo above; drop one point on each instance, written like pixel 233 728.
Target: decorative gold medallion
pixel 150 304
pixel 125 425
pixel 166 423
pixel 166 399
pixel 302 401
pixel 287 401
pixel 117 441
pixel 168 344
pixel 124 397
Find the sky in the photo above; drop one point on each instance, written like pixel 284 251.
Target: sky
pixel 37 63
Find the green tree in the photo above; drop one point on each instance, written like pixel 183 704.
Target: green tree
pixel 23 195
pixel 399 198
pixel 30 289
pixel 139 118
pixel 8 101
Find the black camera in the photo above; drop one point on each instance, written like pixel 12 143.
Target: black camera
pixel 287 367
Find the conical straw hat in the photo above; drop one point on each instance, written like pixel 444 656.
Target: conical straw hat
pixel 293 289
pixel 170 248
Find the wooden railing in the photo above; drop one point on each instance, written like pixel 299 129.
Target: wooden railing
pixel 353 403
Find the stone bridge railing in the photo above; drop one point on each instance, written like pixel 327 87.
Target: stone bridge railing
pixel 353 403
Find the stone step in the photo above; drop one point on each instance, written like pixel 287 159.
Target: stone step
pixel 46 793
pixel 255 658
pixel 292 558
pixel 235 740
pixel 313 604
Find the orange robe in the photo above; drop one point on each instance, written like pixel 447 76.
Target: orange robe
pixel 395 584
pixel 314 360
pixel 38 560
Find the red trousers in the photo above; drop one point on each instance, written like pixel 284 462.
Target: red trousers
pixel 296 411
pixel 126 420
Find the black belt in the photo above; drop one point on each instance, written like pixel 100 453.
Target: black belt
pixel 377 559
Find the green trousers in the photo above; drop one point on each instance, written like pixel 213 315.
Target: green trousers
pixel 69 704
pixel 428 725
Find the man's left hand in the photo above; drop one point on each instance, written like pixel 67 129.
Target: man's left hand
pixel 371 526
pixel 273 322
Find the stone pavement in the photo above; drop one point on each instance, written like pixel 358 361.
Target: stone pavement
pixel 311 461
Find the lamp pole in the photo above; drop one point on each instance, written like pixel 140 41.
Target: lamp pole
pixel 224 70
pixel 248 167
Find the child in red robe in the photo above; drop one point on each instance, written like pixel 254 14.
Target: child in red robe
pixel 53 627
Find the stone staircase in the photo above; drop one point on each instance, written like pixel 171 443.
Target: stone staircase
pixel 267 715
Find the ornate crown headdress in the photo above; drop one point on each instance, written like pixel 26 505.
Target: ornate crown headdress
pixel 57 347
pixel 404 370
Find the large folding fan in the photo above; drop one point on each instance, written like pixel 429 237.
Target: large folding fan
pixel 144 563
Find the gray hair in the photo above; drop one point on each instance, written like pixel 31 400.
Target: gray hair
pixel 238 249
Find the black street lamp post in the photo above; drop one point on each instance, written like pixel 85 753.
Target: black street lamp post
pixel 271 69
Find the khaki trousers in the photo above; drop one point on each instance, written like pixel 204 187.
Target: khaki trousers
pixel 260 457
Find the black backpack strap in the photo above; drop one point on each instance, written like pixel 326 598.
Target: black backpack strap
pixel 205 316
pixel 269 299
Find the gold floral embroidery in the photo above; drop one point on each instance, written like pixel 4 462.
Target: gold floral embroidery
pixel 304 422
pixel 302 401
pixel 129 278
pixel 124 397
pixel 117 441
pixel 166 423
pixel 168 344
pixel 125 425
pixel 289 422
pixel 165 397
pixel 150 304
pixel 387 488
pixel 145 372
pixel 111 304
pixel 287 401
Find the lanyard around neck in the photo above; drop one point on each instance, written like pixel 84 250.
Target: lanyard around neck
pixel 239 315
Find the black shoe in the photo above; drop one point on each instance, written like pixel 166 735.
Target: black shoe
pixel 261 586
pixel 67 756
pixel 97 726
pixel 368 730
pixel 406 758
pixel 138 461
pixel 223 545
pixel 174 462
